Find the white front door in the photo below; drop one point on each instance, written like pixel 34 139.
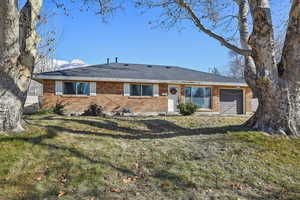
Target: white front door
pixel 173 98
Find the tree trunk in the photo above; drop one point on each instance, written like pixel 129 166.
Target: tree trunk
pixel 18 41
pixel 266 88
pixel 11 102
pixel 277 86
pixel 250 68
pixel 289 74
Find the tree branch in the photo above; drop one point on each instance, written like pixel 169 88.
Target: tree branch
pixel 223 41
pixel 28 37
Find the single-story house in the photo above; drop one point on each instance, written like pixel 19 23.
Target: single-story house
pixel 143 89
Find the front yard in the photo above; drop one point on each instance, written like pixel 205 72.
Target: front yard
pixel 146 158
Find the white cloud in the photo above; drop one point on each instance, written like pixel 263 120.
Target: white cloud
pixel 47 65
pixel 61 64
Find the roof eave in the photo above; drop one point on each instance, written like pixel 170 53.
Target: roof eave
pixel 78 78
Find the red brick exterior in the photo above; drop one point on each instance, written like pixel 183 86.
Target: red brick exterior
pixel 216 97
pixel 247 98
pixel 110 95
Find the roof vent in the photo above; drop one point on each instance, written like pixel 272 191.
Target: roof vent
pixel 149 65
pixel 168 67
pixel 126 65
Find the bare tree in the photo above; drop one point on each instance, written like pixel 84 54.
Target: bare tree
pixel 276 84
pixel 236 65
pixel 214 70
pixel 18 54
pixel 18 40
pixel 45 50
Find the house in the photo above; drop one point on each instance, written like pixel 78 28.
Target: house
pixel 144 89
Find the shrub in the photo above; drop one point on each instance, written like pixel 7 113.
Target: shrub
pixel 58 108
pixel 187 108
pixel 44 111
pixel 94 110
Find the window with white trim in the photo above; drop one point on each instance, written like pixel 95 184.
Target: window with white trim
pixel 141 90
pixel 200 96
pixel 76 88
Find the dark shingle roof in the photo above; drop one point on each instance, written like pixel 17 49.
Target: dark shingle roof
pixel 141 72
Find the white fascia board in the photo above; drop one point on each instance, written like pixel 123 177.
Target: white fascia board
pixel 78 78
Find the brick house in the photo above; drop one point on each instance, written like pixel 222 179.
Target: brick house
pixel 144 89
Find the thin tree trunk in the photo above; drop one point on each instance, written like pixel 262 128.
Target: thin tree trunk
pixel 250 68
pixel 18 41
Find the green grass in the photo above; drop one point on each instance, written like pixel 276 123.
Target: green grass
pixel 60 157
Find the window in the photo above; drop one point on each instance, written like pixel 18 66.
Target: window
pixel 76 88
pixel 199 96
pixel 141 90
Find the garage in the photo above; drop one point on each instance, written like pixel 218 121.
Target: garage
pixel 231 101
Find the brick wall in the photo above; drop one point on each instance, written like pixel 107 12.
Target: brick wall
pixel 110 95
pixel 216 97
pixel 247 98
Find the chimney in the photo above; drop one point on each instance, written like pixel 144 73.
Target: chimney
pixel 107 61
pixel 116 59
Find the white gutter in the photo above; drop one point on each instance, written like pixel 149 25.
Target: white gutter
pixel 78 78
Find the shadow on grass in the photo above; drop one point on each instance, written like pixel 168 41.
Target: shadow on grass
pixel 52 133
pixel 165 175
pixel 157 129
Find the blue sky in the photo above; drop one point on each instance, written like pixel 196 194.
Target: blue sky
pixel 128 36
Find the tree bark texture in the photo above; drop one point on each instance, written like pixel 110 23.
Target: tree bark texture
pixel 277 85
pixel 289 74
pixel 18 41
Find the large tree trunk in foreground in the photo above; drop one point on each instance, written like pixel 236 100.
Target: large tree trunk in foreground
pixel 266 81
pixel 277 85
pixel 18 41
pixel 289 74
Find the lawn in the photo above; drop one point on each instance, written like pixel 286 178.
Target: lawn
pixel 188 158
